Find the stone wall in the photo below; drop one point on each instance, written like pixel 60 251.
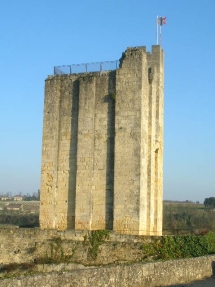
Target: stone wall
pixel 33 245
pixel 138 178
pixel 78 152
pixel 167 273
pixel 57 205
pixel 102 157
pixel 117 263
pixel 94 176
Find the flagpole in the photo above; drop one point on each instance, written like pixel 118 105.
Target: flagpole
pixel 157 31
pixel 160 36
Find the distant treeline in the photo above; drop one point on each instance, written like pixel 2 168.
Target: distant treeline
pixel 26 220
pixel 177 201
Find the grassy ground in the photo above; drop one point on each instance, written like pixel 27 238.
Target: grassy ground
pixel 183 218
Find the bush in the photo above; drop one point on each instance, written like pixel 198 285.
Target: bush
pixel 174 247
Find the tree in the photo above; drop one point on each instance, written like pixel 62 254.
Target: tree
pixel 209 202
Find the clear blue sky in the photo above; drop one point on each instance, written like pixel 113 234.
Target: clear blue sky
pixel 36 35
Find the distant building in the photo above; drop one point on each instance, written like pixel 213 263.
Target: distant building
pixel 6 198
pixel 14 206
pixel 18 198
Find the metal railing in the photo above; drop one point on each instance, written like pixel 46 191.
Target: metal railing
pixel 86 67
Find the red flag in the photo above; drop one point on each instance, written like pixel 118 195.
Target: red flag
pixel 162 21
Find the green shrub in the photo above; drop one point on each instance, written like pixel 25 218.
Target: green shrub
pixel 173 247
pixel 96 238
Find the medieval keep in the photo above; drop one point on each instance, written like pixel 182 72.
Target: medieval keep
pixel 102 152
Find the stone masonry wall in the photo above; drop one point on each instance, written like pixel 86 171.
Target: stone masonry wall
pixel 78 153
pixel 29 245
pixel 130 144
pixel 94 189
pixel 58 180
pixel 155 141
pixel 115 265
pixel 138 177
pixel 167 273
pixel 35 245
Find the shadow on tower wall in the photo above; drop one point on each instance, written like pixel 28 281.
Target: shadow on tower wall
pixel 110 100
pixel 73 155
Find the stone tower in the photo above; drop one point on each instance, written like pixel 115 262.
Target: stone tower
pixel 102 158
